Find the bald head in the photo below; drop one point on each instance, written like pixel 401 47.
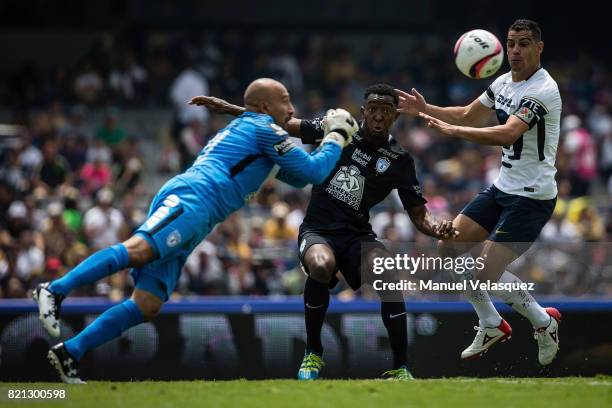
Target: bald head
pixel 260 90
pixel 266 95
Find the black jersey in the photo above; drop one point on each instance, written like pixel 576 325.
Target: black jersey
pixel 362 178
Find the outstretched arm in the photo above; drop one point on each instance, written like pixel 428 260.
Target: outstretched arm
pixel 501 135
pixel 217 105
pixel 222 106
pixel 413 103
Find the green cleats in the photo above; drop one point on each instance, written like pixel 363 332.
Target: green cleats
pixel 311 365
pixel 400 374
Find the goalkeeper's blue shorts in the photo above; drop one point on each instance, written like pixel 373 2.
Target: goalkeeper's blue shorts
pixel 178 220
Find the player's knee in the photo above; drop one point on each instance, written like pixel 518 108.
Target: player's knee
pixel 321 268
pixel 139 250
pixel 150 311
pixel 148 304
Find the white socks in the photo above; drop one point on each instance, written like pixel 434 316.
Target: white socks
pixel 480 300
pixel 522 301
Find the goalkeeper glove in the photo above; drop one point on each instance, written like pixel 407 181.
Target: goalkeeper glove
pixel 339 126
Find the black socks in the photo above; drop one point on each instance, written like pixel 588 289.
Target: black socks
pixel 394 318
pixel 316 300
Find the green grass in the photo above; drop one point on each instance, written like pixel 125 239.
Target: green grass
pixel 451 392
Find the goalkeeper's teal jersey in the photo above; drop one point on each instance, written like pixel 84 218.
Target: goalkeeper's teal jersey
pixel 234 164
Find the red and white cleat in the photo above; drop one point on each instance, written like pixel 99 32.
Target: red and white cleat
pixel 548 337
pixel 485 338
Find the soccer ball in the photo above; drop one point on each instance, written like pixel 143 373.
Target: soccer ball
pixel 478 54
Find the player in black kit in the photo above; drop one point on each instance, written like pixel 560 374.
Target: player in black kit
pixel 337 220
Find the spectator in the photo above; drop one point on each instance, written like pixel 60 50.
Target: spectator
pixel 111 131
pixel 54 170
pixel 559 229
pixel 398 220
pixel 191 140
pixel 128 79
pixel 88 84
pixel 276 229
pixel 55 230
pixel 284 67
pixel 72 215
pixel 103 224
pixel 76 124
pixel 15 288
pixel 188 83
pixel 203 271
pixel 130 168
pixel 297 205
pixel 30 259
pixel 12 172
pixel 74 150
pixel 170 160
pixel 605 158
pixel 99 150
pixel 340 69
pixel 95 175
pixel 583 162
pixel 30 157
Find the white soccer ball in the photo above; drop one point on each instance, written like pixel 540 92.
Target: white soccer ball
pixel 478 54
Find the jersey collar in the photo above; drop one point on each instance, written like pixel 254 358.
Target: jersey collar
pixel 363 140
pixel 250 114
pixel 533 73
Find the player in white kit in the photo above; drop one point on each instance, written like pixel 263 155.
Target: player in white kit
pixel 508 216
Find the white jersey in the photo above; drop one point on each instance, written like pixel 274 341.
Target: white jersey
pixel 528 166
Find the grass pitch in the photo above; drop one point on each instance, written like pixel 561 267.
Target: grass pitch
pixel 455 392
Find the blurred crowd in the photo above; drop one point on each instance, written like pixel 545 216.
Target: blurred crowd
pixel 69 186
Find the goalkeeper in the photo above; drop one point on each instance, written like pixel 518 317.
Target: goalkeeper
pixel 230 168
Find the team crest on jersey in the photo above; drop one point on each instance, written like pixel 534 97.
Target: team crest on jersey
pixel 382 165
pixel 347 186
pixel 173 239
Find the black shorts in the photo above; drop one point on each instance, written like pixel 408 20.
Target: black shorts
pixel 347 250
pixel 510 218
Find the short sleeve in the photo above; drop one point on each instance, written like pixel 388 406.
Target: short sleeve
pixel 311 131
pixel 409 188
pixel 487 98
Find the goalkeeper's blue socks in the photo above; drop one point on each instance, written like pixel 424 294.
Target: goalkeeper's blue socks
pixel 109 325
pixel 99 265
